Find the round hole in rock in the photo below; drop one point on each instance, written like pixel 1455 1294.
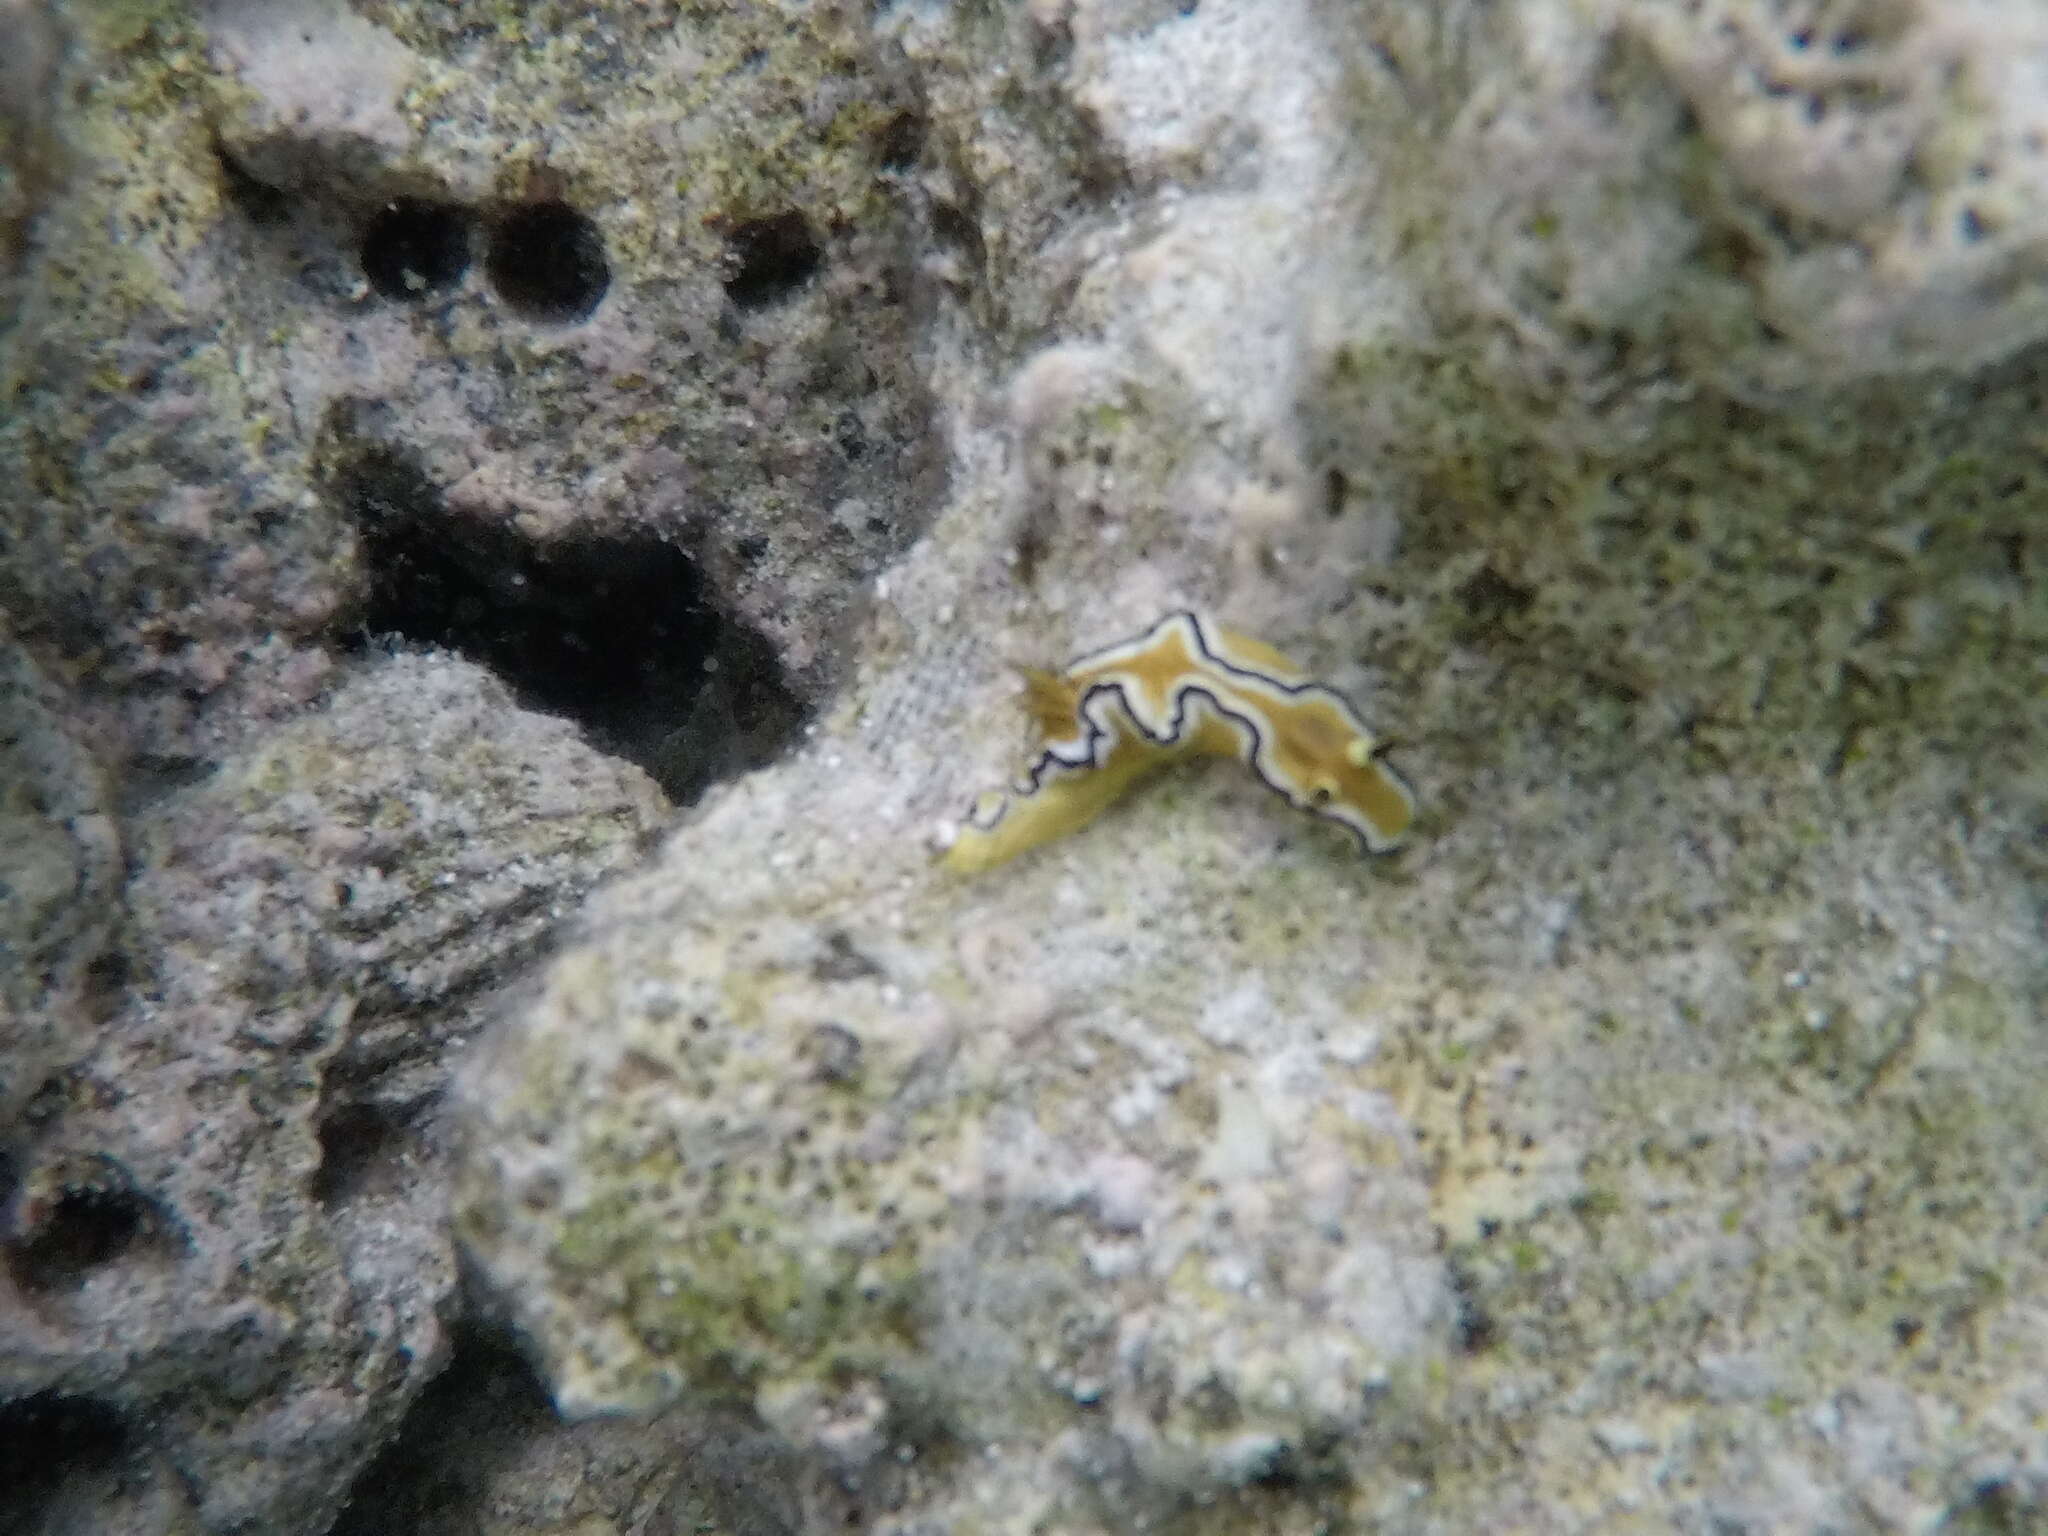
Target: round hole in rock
pixel 769 259
pixel 412 247
pixel 547 262
pixel 89 1220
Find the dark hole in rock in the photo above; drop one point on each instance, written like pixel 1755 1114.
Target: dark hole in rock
pixel 471 1419
pixel 357 1142
pixel 46 1441
pixel 89 1219
pixel 547 262
pixel 614 632
pixel 769 259
pixel 412 247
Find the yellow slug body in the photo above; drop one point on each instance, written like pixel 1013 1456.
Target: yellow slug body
pixel 1186 687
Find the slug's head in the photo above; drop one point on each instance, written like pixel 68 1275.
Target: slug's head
pixel 1323 760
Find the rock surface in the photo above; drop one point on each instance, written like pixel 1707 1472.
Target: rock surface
pixel 1635 408
pixel 226 1237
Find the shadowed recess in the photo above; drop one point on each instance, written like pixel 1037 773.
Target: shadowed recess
pixel 615 633
pixel 769 259
pixel 360 1150
pixel 473 1432
pixel 434 1475
pixel 254 198
pixel 412 247
pixel 47 1441
pixel 547 262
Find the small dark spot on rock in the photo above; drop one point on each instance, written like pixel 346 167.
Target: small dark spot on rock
pixel 547 262
pixel 901 141
pixel 1995 1507
pixel 1033 544
pixel 851 437
pixel 1906 1330
pixel 835 1053
pixel 961 230
pixel 412 247
pixel 1475 1329
pixel 769 259
pixel 1336 491
pixel 1489 596
pixel 843 961
pixel 106 984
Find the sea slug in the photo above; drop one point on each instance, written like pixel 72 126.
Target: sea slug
pixel 1187 686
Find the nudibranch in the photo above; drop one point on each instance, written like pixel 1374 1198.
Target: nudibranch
pixel 1186 687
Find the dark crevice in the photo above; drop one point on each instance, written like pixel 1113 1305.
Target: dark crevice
pixel 615 632
pixel 412 247
pixel 547 262
pixel 767 260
